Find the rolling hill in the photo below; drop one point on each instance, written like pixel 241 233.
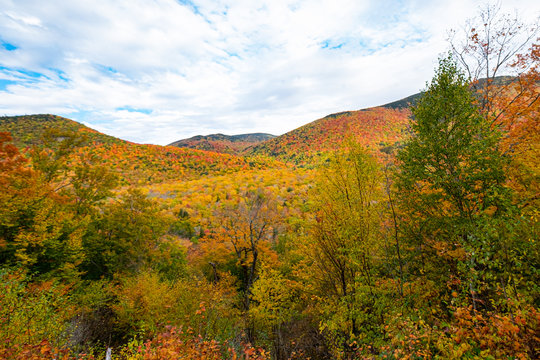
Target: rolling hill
pixel 27 130
pixel 226 144
pixel 135 163
pixel 377 128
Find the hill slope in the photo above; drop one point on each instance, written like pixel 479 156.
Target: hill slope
pixel 404 103
pixel 135 163
pixel 226 144
pixel 27 130
pixel 375 128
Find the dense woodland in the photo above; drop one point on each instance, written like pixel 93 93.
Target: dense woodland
pixel 391 233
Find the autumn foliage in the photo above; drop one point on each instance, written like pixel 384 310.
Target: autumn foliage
pixel 378 128
pixel 386 233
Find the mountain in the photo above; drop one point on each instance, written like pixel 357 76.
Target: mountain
pixel 134 163
pixel 27 130
pixel 409 101
pixel 226 144
pixel 403 103
pixel 379 128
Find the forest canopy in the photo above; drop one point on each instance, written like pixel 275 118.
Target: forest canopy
pixel 402 234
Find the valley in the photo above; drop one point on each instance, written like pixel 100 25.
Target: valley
pixel 403 231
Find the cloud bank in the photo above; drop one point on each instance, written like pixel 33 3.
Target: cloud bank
pixel 158 71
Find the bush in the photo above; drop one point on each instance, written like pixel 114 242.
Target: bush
pixel 31 313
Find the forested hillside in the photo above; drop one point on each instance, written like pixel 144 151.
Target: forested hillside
pixel 227 144
pixel 28 130
pixel 132 163
pixel 386 233
pixel 375 128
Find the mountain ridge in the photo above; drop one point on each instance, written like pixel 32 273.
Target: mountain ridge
pixel 134 163
pixel 375 128
pixel 227 144
pixel 269 147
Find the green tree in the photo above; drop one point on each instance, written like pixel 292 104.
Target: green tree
pixel 125 237
pixel 451 184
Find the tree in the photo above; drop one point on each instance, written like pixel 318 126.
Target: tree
pixel 249 226
pixel 495 44
pixel 19 184
pixel 48 203
pixel 123 239
pixel 344 243
pixel 491 45
pixel 37 230
pixel 273 306
pixel 89 184
pixel 451 181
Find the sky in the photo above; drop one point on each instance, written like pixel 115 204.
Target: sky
pixel 156 71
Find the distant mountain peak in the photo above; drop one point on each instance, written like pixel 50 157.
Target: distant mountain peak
pixel 221 143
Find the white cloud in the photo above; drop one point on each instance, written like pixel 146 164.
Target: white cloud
pixel 157 71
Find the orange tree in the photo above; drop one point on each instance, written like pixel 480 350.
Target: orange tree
pixel 38 231
pixel 248 227
pixel 501 55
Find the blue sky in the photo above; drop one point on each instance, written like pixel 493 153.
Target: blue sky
pixel 161 70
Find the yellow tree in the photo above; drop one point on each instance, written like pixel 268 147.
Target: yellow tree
pixel 273 305
pixel 344 241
